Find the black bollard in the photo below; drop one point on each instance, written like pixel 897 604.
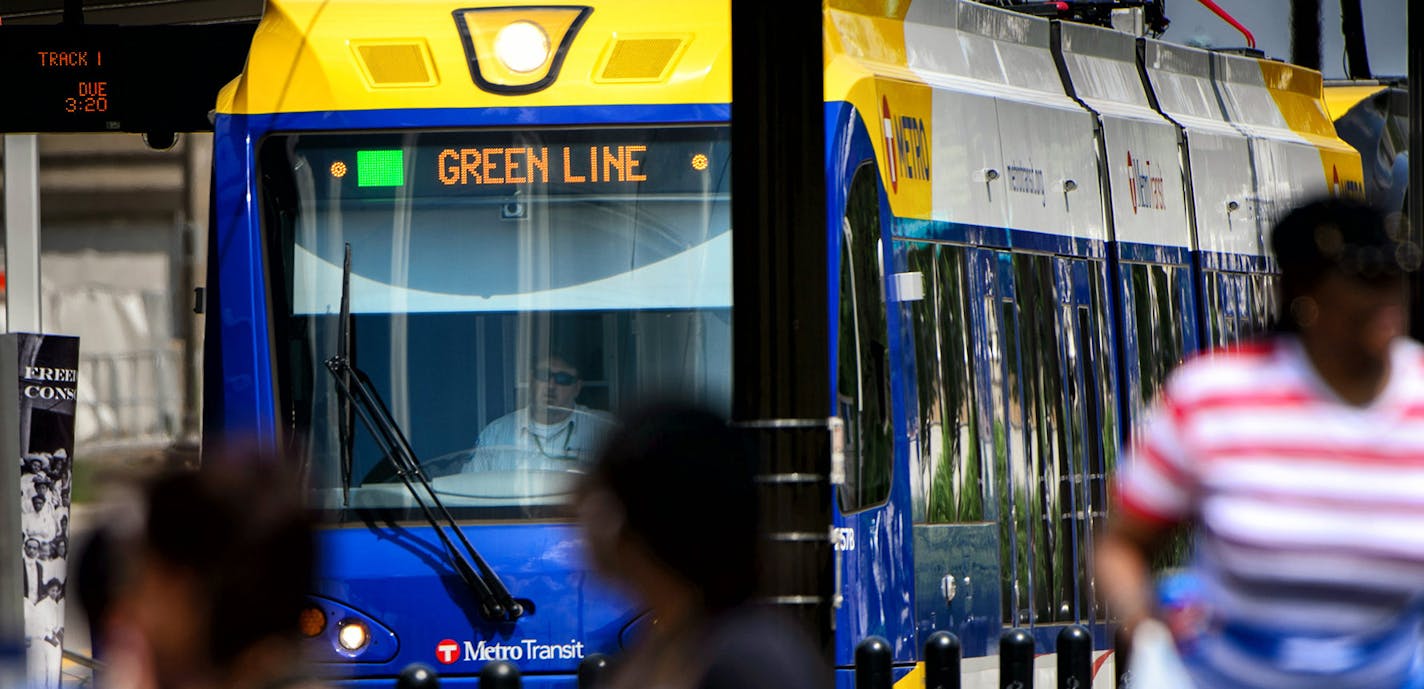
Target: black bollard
pixel 1016 660
pixel 1075 658
pixel 498 674
pixel 942 661
pixel 593 671
pixel 872 664
pixel 1122 657
pixel 418 676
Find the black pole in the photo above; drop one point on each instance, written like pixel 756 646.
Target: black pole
pixel 1016 660
pixel 593 671
pixel 1414 204
pixel 1352 24
pixel 873 664
pixel 1122 657
pixel 497 674
pixel 1075 658
pixel 1305 33
pixel 942 654
pixel 418 676
pixel 781 389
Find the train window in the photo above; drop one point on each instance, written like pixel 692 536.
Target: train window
pixel 1040 502
pixel 1015 522
pixel 1244 304
pixel 1157 328
pixel 947 481
pixel 862 382
pixel 501 303
pixel 1103 427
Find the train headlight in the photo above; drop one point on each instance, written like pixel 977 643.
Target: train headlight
pixel 353 635
pixel 522 47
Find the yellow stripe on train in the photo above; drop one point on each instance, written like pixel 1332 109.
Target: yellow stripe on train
pixel 1299 95
pixel 315 56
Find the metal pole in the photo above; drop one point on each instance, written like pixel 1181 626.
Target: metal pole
pixel 197 180
pixel 873 668
pixel 1305 33
pixel 1352 24
pixel 1075 658
pixel 418 676
pixel 499 674
pixel 22 233
pixel 942 661
pixel 1016 660
pixel 781 379
pixel 1415 205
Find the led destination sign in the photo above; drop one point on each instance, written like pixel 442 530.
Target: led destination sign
pixel 530 165
pixel 110 78
pixel 498 163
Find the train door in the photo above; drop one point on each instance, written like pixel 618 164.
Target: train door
pixel 872 524
pixel 1090 394
pixel 1048 396
pixel 955 536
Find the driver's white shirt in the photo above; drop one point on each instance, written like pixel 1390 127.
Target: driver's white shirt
pixel 516 442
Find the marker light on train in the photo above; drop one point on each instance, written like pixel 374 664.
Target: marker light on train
pixel 522 46
pixel 312 622
pixel 352 635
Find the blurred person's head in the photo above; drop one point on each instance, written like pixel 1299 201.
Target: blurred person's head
pixel 54 589
pixel 37 501
pixel 32 548
pixel 1344 269
pixel 554 387
pixel 670 509
pixel 226 564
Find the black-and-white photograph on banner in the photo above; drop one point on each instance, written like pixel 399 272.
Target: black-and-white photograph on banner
pixel 46 368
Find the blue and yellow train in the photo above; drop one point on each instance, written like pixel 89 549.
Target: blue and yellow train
pixel 428 211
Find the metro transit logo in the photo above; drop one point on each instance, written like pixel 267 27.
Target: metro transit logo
pixel 450 651
pixel 447 651
pixel 1146 186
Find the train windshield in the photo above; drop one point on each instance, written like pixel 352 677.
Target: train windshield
pixel 507 291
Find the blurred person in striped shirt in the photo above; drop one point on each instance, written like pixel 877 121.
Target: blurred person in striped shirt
pixel 1298 458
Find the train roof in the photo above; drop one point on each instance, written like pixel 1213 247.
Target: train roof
pixel 316 56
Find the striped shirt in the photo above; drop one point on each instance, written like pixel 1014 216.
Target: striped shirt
pixel 1309 515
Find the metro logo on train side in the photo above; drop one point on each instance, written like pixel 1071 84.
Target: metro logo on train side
pixel 1145 185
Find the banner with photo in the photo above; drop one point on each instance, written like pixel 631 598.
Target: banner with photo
pixel 37 428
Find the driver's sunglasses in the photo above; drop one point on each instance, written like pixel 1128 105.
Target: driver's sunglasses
pixel 544 375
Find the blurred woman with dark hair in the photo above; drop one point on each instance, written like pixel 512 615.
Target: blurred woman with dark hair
pixel 670 513
pixel 225 564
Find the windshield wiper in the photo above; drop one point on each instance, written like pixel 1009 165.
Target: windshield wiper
pixel 344 418
pixel 496 603
pixel 359 395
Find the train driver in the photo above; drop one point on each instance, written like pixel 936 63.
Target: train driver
pixel 552 433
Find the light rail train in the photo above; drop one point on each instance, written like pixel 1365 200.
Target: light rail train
pixel 423 208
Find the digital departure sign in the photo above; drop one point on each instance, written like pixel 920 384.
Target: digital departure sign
pixel 112 78
pixel 497 163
